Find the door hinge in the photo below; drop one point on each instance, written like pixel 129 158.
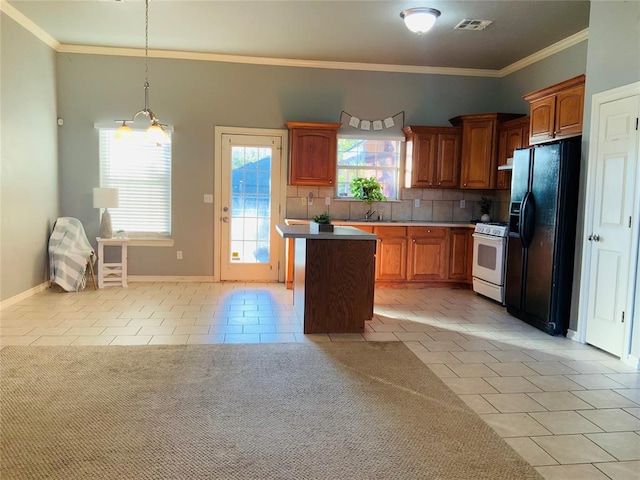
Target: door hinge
pixel 637 123
pixel 622 317
pixel 629 222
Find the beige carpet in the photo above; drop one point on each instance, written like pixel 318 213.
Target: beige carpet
pixel 355 410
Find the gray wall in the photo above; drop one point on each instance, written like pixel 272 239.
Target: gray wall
pixel 195 97
pixel 613 60
pixel 551 70
pixel 29 181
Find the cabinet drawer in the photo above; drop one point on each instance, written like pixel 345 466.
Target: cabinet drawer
pixel 390 231
pixel 427 232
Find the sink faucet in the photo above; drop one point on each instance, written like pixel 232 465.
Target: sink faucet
pixel 369 214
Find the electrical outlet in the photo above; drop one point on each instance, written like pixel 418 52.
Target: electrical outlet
pixel 416 202
pixel 179 255
pixel 463 204
pixel 310 200
pixel 327 200
pixel 303 200
pixel 208 198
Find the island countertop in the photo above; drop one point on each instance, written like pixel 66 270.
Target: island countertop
pixel 387 223
pixel 339 233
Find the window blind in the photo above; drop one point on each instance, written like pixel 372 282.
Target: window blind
pixel 141 171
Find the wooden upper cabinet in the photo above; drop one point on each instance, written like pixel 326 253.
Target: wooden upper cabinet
pixel 312 153
pixel 511 135
pixel 479 162
pixel 433 156
pixel 556 111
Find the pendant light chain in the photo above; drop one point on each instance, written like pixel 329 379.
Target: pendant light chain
pixel 146 41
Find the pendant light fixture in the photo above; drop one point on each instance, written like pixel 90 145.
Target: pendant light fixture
pixel 155 133
pixel 420 19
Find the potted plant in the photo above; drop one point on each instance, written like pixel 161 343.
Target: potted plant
pixel 368 190
pixel 485 208
pixel 321 223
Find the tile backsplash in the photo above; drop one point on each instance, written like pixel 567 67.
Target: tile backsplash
pixel 437 205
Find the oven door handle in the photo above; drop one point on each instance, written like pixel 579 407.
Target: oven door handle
pixel 491 238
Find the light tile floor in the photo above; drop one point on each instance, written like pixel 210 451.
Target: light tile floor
pixel 570 410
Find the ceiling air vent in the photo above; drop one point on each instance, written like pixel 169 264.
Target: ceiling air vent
pixel 473 24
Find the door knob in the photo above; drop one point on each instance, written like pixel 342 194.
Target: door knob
pixel 225 209
pixel 590 237
pixel 596 238
pixel 225 219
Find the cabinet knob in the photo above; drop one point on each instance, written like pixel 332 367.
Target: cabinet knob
pixel 330 181
pixel 464 185
pixel 428 231
pixel 430 184
pixel 439 183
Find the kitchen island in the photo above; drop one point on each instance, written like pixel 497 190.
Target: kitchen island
pixel 333 283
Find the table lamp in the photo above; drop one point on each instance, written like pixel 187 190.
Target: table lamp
pixel 105 198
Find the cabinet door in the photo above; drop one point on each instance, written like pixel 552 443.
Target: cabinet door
pixel 423 169
pixel 313 157
pixel 543 113
pixel 459 254
pixel 391 259
pixel 448 160
pixel 391 255
pixel 479 160
pixel 428 254
pixel 510 138
pixel 502 177
pixel 569 109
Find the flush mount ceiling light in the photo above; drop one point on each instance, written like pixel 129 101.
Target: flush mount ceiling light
pixel 155 132
pixel 420 19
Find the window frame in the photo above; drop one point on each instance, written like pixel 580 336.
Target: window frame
pixel 399 169
pixel 146 237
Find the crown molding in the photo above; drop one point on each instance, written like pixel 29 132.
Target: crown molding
pixel 545 52
pixel 278 62
pixel 30 26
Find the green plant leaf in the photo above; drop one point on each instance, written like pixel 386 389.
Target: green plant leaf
pixel 368 190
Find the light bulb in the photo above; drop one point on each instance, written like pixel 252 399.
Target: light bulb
pixel 124 132
pixel 420 20
pixel 156 134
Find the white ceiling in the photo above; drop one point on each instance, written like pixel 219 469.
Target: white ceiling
pixel 362 31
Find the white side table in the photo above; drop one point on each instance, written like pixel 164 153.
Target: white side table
pixel 112 274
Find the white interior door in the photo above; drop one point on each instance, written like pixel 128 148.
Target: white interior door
pixel 610 236
pixel 250 174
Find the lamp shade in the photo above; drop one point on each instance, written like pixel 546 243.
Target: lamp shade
pixel 105 198
pixel 420 19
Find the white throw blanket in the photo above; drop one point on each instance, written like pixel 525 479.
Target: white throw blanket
pixel 69 252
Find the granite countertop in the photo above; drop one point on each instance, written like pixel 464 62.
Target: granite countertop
pixel 398 223
pixel 339 233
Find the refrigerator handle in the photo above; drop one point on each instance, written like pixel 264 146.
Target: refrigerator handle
pixel 527 219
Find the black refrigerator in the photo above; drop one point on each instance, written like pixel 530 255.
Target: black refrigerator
pixel 542 232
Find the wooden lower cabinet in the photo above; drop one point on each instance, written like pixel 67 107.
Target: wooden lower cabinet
pixel 391 254
pixel 428 254
pixel 424 255
pixel 461 254
pixel 437 255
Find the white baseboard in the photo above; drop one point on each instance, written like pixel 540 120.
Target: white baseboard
pixel 633 361
pixel 573 335
pixel 170 278
pixel 26 294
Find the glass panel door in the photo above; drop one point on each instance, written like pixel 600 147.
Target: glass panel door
pixel 250 173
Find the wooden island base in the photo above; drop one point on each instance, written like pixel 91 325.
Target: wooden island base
pixel 333 287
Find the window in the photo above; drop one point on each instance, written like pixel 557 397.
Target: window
pixel 141 171
pixel 368 158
